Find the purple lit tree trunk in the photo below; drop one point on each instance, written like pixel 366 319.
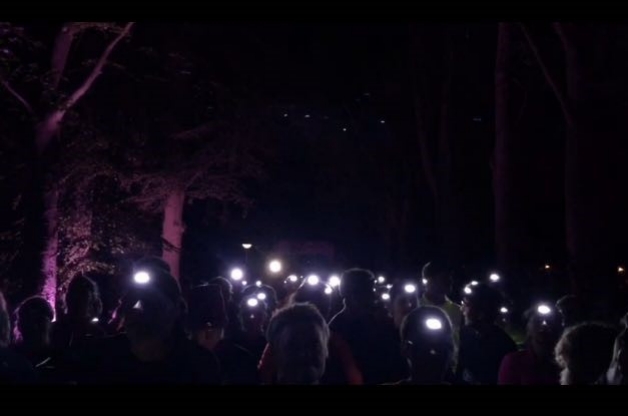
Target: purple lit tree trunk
pixel 47 128
pixel 172 231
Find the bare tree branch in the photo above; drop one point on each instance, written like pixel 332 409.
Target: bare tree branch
pixel 60 53
pixel 548 77
pixel 17 96
pixel 559 28
pixel 87 84
pixel 48 127
pixel 196 132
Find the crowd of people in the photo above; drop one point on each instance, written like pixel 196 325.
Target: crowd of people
pixel 355 333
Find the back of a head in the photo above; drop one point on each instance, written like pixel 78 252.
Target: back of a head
pixel 225 287
pixel 33 315
pixel 5 323
pixel 298 335
pixel 357 284
pixel 83 298
pixel 584 352
pixel 295 314
pixel 571 309
pixel 426 332
pixel 206 308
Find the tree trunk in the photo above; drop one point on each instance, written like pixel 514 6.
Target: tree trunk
pixel 421 118
pixel 44 133
pixel 47 129
pixel 51 213
pixel 593 146
pixel 509 235
pixel 447 215
pixel 172 231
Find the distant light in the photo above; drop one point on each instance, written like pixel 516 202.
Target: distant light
pixel 474 283
pixel 244 283
pixel 307 116
pixel 494 277
pixel 261 296
pixel 381 280
pixel 434 324
pixel 424 281
pixel 95 320
pixel 275 266
pixel 344 129
pixel 385 296
pixel 388 286
pixel 258 283
pixel 382 121
pixel 313 280
pixel 285 114
pixel 138 305
pixel 477 119
pixel 546 267
pixel 409 288
pixel 141 278
pixel 293 278
pixel 237 274
pixel 252 302
pixel 620 269
pixel 328 290
pixel 504 310
pixel 247 246
pixel 544 309
pixel 334 281
pixel 467 290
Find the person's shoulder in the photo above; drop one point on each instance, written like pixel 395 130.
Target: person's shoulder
pixel 60 325
pixel 336 323
pixel 205 364
pixel 232 350
pixel 112 342
pixel 452 304
pixel 197 354
pixel 403 382
pixel 516 357
pixel 107 349
pixel 467 332
pixel 96 330
pixel 14 368
pixel 505 339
